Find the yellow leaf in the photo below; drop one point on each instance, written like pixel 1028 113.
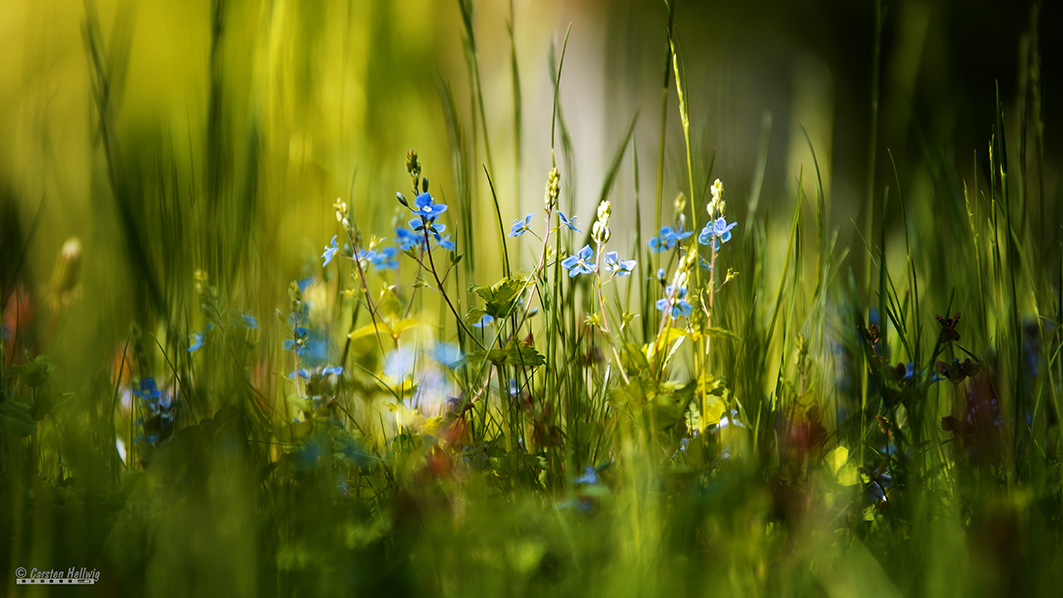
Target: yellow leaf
pixel 403 325
pixel 713 413
pixel 847 473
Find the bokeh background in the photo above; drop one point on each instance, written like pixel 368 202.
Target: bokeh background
pixel 255 116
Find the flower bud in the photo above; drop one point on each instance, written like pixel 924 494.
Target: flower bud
pixel 553 186
pixel 413 166
pixel 67 272
pixel 600 230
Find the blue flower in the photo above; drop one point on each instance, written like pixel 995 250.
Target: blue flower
pixel 435 230
pixel 677 299
pixel 723 229
pixel 569 222
pixel 484 321
pixel 197 341
pixel 668 238
pixel 249 321
pixel 717 232
pixel 148 390
pixel 426 208
pixel 406 239
pixel 332 369
pixel 399 364
pixel 589 477
pixel 520 226
pixel 305 283
pixel 447 354
pixel 383 259
pixel 580 263
pixel 662 276
pixel 443 242
pixel 329 252
pixel 297 344
pixel 301 372
pixel 617 266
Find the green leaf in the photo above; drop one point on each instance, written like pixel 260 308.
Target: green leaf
pixel 634 359
pixel 34 373
pixel 388 306
pixel 514 354
pixel 474 316
pixel 500 297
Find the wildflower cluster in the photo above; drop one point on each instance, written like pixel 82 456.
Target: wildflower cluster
pixel 668 237
pixel 587 260
pixel 718 230
pixel 300 333
pixel 209 304
pixel 423 229
pixel 675 303
pixel 157 409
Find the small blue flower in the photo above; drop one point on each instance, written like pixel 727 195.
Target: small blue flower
pixel 484 321
pixel 148 390
pixel 520 226
pixel 662 276
pixel 332 369
pixel 717 232
pixel 677 299
pixel 297 344
pixel 197 341
pixel 581 263
pixel 305 283
pixel 668 238
pixel 330 251
pixel 444 242
pixel 617 266
pixel 435 230
pixel 249 321
pixel 400 363
pixel 426 208
pixel 447 354
pixel 301 372
pixel 384 259
pixel 722 229
pixel 589 477
pixel 569 222
pixel 406 239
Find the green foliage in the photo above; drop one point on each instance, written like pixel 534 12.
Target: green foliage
pixel 514 354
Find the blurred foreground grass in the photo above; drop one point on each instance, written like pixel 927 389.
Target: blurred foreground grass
pixel 771 399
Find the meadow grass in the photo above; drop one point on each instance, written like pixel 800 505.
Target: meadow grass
pixel 706 398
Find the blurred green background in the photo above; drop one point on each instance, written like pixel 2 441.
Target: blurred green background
pixel 254 116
